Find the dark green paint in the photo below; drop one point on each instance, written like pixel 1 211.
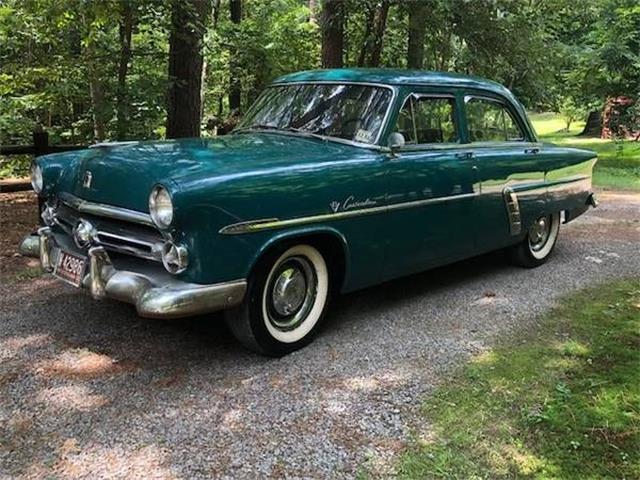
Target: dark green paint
pixel 251 176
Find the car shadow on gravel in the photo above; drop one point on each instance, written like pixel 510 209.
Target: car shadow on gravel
pixel 81 322
pixel 404 289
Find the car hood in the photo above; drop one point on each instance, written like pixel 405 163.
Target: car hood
pixel 123 174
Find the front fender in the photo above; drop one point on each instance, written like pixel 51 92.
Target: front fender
pixel 305 232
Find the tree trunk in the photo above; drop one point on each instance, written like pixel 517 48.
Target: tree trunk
pixel 332 26
pixel 381 24
pixel 96 92
pixel 235 85
pixel 417 28
pixel 372 46
pixel 367 40
pixel 95 75
pixel 98 105
pixel 593 127
pixel 188 19
pixel 122 102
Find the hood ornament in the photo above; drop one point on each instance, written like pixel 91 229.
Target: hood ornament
pixel 86 181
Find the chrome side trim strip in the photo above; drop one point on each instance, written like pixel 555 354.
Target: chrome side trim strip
pixel 509 193
pixel 272 223
pixel 109 211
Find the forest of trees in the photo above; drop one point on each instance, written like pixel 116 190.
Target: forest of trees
pixel 120 69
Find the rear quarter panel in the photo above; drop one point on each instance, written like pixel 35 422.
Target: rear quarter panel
pixel 568 176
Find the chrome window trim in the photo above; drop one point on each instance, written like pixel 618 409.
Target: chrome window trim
pixel 383 125
pixel 512 143
pixel 272 223
pixel 108 211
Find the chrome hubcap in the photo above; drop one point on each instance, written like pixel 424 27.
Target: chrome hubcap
pixel 291 294
pixel 289 291
pixel 539 233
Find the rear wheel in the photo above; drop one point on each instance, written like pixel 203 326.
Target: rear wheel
pixel 286 299
pixel 538 243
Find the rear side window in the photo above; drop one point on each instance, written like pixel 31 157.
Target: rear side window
pixel 427 120
pixel 490 121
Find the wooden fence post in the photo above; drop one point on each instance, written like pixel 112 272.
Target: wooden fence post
pixel 40 141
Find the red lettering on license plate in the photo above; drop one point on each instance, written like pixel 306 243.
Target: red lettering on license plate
pixel 70 268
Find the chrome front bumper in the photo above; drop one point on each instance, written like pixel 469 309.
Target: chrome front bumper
pixel 154 295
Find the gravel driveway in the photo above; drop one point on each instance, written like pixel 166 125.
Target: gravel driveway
pixel 89 390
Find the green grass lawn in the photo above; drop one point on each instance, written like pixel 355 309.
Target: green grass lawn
pixel 563 403
pixel 618 164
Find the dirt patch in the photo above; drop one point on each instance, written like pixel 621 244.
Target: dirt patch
pixel 18 217
pixel 82 364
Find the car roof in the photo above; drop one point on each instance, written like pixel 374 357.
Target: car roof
pixel 388 76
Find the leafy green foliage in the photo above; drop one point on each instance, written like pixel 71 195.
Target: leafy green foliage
pixel 564 403
pixel 60 57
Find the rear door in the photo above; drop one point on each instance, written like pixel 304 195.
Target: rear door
pixel 510 168
pixel 432 185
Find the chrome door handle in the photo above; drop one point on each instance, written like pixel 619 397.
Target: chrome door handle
pixel 532 151
pixel 464 155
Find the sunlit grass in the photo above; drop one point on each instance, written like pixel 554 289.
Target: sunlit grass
pixel 618 164
pixel 561 403
pixel 549 123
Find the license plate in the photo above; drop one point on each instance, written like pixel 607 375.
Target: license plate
pixel 70 268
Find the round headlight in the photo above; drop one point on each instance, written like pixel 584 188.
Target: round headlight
pixel 37 182
pixel 160 207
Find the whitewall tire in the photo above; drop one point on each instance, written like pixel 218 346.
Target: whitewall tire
pixel 286 299
pixel 538 243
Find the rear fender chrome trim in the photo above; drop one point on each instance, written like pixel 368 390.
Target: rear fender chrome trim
pixel 513 211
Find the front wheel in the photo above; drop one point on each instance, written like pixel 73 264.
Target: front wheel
pixel 538 243
pixel 286 298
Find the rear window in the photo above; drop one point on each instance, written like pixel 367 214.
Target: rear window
pixel 490 121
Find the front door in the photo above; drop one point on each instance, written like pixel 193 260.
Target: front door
pixel 432 187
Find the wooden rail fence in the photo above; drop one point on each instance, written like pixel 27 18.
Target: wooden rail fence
pixel 39 147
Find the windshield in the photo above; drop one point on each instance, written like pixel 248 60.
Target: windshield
pixel 350 112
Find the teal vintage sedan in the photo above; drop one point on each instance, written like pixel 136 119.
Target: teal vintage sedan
pixel 334 180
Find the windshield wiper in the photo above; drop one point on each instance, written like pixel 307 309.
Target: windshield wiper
pixel 257 126
pixel 306 132
pixel 261 126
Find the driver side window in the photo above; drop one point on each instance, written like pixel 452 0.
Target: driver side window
pixel 427 120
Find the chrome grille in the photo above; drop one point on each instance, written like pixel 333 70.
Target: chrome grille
pixel 113 234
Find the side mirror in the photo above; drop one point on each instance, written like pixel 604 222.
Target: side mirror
pixel 396 141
